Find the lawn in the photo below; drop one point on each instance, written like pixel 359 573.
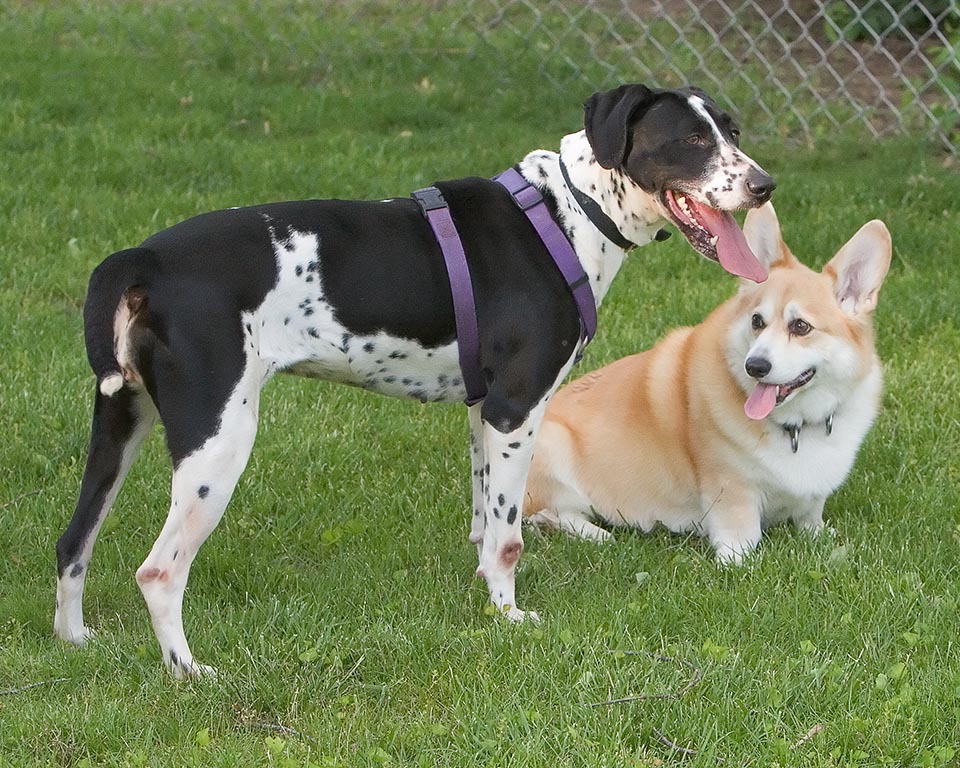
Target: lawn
pixel 337 597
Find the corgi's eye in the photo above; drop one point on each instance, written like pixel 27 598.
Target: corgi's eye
pixel 757 322
pixel 799 327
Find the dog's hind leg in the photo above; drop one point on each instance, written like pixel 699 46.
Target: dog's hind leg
pixel 202 485
pixel 554 499
pixel 121 422
pixel 203 482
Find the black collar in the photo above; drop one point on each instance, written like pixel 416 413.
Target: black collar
pixel 794 431
pixel 595 213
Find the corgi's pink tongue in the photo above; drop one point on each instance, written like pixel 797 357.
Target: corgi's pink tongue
pixel 762 400
pixel 732 250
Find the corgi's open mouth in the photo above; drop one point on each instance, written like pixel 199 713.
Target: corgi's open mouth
pixel 713 233
pixel 766 397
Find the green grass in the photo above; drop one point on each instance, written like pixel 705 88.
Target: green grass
pixel 337 597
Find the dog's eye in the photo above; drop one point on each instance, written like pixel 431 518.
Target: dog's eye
pixel 799 327
pixel 757 322
pixel 735 134
pixel 694 138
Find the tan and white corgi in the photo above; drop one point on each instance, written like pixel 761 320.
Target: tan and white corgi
pixel 752 417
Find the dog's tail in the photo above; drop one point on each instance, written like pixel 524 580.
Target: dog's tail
pixel 116 298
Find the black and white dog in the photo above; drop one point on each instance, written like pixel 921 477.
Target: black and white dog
pixel 190 325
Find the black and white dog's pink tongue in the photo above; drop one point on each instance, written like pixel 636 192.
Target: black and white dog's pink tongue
pixel 732 250
pixel 762 400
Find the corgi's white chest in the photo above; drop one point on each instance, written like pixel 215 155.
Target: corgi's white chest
pixel 823 458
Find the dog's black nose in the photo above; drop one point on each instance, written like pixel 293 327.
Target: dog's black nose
pixel 760 185
pixel 757 367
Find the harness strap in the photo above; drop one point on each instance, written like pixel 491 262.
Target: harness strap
pixel 531 202
pixel 437 212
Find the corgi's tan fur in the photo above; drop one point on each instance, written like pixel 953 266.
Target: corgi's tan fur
pixel 664 436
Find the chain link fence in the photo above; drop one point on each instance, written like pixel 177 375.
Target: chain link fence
pixel 804 67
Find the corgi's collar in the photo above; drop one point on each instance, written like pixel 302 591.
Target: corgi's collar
pixel 793 430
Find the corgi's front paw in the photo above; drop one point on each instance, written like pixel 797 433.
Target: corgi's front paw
pixel 733 552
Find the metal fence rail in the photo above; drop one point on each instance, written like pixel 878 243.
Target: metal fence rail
pixel 803 67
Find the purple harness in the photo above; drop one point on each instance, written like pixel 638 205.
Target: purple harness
pixel 531 202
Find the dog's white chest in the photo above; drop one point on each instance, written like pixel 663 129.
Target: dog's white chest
pixel 821 463
pixel 819 466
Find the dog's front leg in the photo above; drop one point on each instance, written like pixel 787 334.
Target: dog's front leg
pixel 509 426
pixel 478 471
pixel 508 452
pixel 508 459
pixel 731 518
pixel 809 515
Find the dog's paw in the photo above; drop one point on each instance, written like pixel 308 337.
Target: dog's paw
pixel 194 671
pixel 78 638
pixel 514 614
pixel 813 527
pixel 545 519
pixel 205 671
pixel 571 523
pixel 736 556
pixel 599 536
pixel 188 669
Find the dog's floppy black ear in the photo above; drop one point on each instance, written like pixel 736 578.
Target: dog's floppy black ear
pixel 608 116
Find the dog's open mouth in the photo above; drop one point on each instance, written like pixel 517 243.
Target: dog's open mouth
pixel 713 233
pixel 766 397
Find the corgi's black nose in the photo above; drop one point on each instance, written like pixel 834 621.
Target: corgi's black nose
pixel 757 367
pixel 760 185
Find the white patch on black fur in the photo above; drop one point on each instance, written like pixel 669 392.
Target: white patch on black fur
pixel 295 329
pixel 724 181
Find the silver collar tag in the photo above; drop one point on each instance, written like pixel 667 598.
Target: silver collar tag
pixel 794 431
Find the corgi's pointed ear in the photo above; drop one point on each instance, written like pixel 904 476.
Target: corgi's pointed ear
pixel 762 231
pixel 859 268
